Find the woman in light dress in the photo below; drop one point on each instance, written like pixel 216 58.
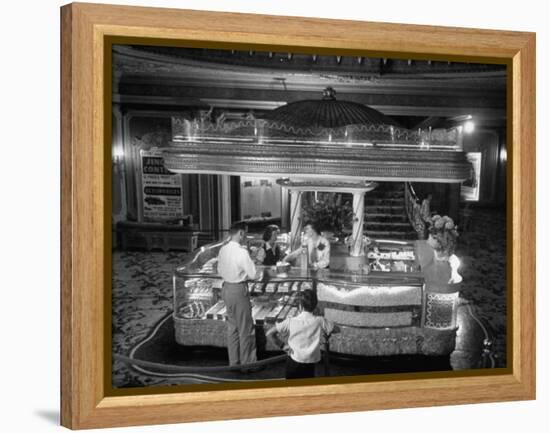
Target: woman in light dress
pixel 316 246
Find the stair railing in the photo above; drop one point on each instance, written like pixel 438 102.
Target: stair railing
pixel 412 207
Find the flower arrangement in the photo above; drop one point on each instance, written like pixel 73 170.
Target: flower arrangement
pixel 444 233
pixel 328 212
pixel 439 223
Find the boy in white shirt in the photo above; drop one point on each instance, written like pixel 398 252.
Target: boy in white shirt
pixel 305 333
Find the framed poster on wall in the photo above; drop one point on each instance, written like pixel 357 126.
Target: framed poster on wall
pixel 162 198
pixel 469 190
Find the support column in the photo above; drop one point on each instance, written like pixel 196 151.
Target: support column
pixel 358 217
pixel 460 138
pixel 454 200
pixel 225 204
pixel 295 218
pixel 134 201
pixel 285 211
pixel 119 205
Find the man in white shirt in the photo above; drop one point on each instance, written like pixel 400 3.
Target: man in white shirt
pixel 235 267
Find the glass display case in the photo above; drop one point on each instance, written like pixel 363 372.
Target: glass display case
pixel 392 256
pixel 371 305
pixel 199 310
pixel 379 312
pixel 195 296
pixel 200 298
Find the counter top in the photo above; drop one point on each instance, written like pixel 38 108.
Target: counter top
pixel 341 271
pixel 323 275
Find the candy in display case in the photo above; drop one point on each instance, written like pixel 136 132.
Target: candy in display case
pixel 392 256
pixel 200 312
pixel 378 313
pixel 194 297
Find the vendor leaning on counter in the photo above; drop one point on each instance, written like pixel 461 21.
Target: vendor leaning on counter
pixel 316 246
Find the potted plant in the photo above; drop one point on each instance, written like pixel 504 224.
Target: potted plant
pixel 329 211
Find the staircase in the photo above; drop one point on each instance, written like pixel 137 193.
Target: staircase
pixel 385 214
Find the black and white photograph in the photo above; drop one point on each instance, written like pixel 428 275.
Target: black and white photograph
pixel 283 216
pixel 275 216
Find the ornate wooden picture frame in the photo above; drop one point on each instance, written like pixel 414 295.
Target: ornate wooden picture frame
pixel 87 34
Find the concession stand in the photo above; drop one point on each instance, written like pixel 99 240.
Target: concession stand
pixel 373 288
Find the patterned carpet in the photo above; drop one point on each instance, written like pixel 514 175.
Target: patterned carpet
pixel 142 291
pixel 482 250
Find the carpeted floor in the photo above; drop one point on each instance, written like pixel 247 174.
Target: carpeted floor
pixel 142 292
pixel 482 251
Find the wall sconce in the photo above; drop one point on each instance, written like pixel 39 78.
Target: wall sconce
pixel 469 127
pixel 503 154
pixel 118 159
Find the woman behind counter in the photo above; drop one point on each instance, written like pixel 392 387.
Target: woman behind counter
pixel 269 253
pixel 436 256
pixel 317 247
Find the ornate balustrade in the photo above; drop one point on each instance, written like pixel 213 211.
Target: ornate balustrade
pixel 263 131
pixel 412 207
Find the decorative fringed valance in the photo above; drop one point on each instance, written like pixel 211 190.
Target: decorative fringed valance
pixel 326 138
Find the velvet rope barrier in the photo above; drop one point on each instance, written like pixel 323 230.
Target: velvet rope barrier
pixel 196 369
